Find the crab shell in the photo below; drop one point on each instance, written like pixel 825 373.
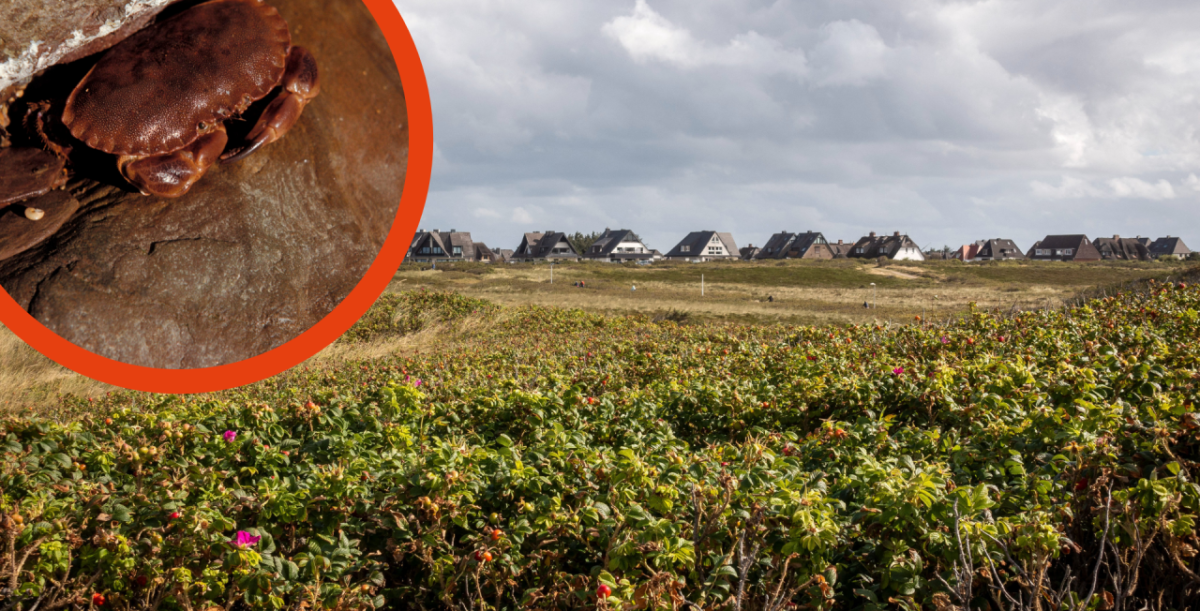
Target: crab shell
pixel 161 89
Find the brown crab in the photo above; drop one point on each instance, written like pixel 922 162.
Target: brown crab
pixel 159 100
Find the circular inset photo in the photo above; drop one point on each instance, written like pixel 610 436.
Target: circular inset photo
pixel 193 184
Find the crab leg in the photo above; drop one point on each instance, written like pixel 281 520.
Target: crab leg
pixel 300 86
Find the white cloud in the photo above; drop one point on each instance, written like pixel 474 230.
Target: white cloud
pixel 647 36
pixel 1069 188
pixel 850 53
pixel 1127 186
pixel 941 119
pixel 522 216
pixel 1072 129
pixel 1123 187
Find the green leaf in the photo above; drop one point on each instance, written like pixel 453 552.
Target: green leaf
pixel 121 513
pixel 290 571
pixel 726 570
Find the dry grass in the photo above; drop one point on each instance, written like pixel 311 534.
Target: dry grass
pixel 828 292
pixel 431 336
pixel 28 378
pixel 831 292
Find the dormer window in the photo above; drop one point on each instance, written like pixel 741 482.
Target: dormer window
pixel 685 248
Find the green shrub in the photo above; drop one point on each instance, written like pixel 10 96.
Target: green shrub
pixel 760 467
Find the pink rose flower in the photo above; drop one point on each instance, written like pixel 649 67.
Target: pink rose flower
pixel 245 539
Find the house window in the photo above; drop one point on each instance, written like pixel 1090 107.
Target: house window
pixel 437 250
pixel 685 248
pixel 1043 252
pixel 458 250
pixel 1066 252
pixel 424 250
pixel 715 239
pixel 858 250
pixel 714 250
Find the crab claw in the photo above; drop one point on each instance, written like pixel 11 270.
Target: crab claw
pixel 300 86
pixel 172 174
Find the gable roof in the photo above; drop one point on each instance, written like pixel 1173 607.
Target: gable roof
pixel 872 246
pixel 445 241
pixel 528 241
pixel 999 248
pixel 841 249
pixel 787 245
pixel 610 239
pixel 1169 246
pixel 1125 249
pixel 541 245
pixel 698 241
pixel 1081 248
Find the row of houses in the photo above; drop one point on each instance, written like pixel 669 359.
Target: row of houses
pixel 623 245
pixel 1076 247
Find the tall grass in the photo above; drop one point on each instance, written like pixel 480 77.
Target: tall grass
pixel 28 378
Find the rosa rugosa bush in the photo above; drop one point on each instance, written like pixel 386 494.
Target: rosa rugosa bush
pixel 567 460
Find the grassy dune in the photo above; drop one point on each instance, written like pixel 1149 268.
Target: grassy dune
pixel 803 292
pixel 822 292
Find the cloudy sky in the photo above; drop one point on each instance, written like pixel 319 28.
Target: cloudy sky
pixel 949 121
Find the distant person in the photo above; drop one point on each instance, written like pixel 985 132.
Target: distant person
pixel 770 298
pixel 582 284
pixel 865 305
pixel 633 287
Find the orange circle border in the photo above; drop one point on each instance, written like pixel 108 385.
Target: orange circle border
pixel 329 328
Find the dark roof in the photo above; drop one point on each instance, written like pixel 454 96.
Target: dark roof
pixel 872 246
pixel 604 245
pixel 444 240
pixel 1169 246
pixel 748 252
pixel 1125 249
pixel 841 249
pixel 540 245
pixel 483 253
pixel 528 243
pixel 698 241
pixel 1081 248
pixel 999 248
pixel 1062 241
pixel 787 245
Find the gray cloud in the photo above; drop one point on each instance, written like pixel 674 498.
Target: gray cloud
pixel 951 121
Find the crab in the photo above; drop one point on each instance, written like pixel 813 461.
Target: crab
pixel 158 101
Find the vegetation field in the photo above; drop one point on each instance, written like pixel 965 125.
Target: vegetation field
pixel 453 453
pixel 797 292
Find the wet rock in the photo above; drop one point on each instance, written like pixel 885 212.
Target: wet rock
pixel 259 250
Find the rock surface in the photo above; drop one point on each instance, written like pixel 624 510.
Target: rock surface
pixel 259 250
pixel 36 34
